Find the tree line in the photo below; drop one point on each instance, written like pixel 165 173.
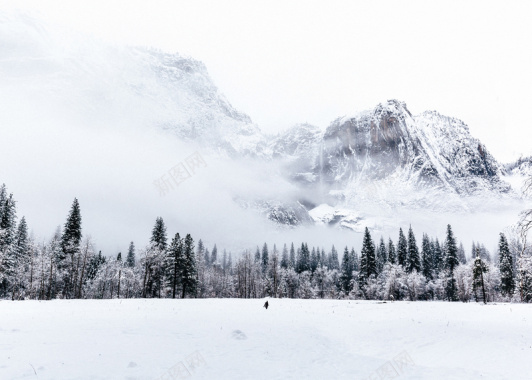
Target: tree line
pixel 67 266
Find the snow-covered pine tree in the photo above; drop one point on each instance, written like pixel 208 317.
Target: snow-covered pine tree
pixel 392 255
pixel 273 272
pixel 189 281
pixel 412 262
pixel 334 263
pixel 20 259
pixel 159 245
pixel 304 259
pixel 292 262
pixel 381 255
pixel 214 255
pixel 402 249
pixel 257 255
pixel 284 258
pixel 314 260
pixel 70 245
pixel 451 262
pixel 201 269
pixel 130 259
pixel 265 258
pixel 353 258
pixel 437 257
pixel 479 268
pixel 368 265
pixel 175 264
pixel 426 257
pixel 7 237
pixel 461 254
pixel 506 268
pixel 158 234
pixel 524 276
pixel 224 261
pixel 347 272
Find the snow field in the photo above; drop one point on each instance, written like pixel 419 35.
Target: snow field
pixel 239 339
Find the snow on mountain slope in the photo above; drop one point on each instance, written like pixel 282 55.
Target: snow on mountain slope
pixel 100 83
pixel 386 159
pixel 429 150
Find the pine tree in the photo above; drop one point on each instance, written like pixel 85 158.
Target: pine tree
pixel 333 262
pixel 130 260
pixel 200 249
pixel 402 249
pixel 368 266
pixel 158 236
pixel 381 256
pixel 175 263
pixel 391 252
pixel 156 266
pixel 479 268
pixel 426 257
pixel 353 258
pixel 214 255
pixel 224 261
pixel 304 259
pixel 70 245
pixel 314 260
pixel 284 258
pixel 8 223
pixel 347 272
pixel 21 238
pixel 292 262
pixel 257 255
pixel 506 267
pixel 20 258
pixel 189 279
pixel 207 257
pixel 265 258
pixel 451 262
pixel 461 254
pixel 412 262
pixel 437 257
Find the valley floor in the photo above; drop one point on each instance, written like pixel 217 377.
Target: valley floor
pixel 239 339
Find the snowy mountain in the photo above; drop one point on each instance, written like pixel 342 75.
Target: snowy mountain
pixel 387 158
pixel 95 81
pixel 358 169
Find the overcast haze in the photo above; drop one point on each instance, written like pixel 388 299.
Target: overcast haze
pixel 79 131
pixel 306 61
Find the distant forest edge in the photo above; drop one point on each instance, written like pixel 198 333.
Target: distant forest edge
pixel 68 266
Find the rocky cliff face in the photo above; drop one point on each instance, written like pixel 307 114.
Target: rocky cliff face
pixel 387 157
pixel 429 150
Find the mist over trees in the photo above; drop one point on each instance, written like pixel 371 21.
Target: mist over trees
pixel 176 266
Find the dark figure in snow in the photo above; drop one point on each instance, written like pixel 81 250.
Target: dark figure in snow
pixel 266 305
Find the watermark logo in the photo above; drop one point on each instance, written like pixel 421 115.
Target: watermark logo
pixel 394 368
pixel 185 369
pixel 179 173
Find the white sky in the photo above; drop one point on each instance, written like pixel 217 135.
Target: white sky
pixel 285 62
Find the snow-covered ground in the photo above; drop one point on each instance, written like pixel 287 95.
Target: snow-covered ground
pixel 239 339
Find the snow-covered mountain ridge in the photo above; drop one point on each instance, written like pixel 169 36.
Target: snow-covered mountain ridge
pixel 361 169
pixel 90 79
pixel 388 158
